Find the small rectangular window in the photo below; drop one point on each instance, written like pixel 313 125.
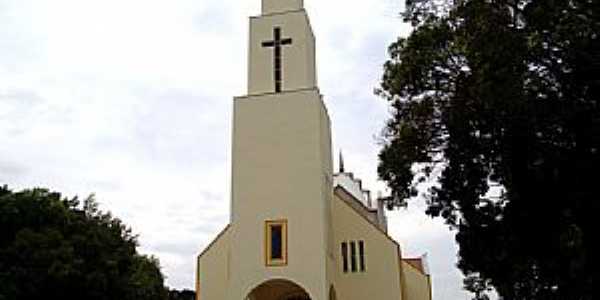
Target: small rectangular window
pixel 353 255
pixel 345 256
pixel 361 255
pixel 276 235
pixel 276 243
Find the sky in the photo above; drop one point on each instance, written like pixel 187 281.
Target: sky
pixel 132 100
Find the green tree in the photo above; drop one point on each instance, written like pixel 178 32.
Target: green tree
pixel 182 295
pixel 50 248
pixel 496 102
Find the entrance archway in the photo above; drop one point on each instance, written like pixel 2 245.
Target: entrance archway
pixel 278 289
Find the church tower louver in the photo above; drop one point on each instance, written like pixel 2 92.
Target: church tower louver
pixel 297 230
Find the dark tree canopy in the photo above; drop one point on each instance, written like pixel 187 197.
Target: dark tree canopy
pixel 182 295
pixel 52 248
pixel 497 102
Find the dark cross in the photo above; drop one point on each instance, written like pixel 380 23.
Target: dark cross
pixel 276 44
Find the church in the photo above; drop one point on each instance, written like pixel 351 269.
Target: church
pixel 298 230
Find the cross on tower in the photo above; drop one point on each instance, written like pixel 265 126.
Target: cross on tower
pixel 276 44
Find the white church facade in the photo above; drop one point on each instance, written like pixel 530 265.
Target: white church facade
pixel 298 230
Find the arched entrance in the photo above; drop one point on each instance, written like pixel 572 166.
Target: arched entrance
pixel 278 289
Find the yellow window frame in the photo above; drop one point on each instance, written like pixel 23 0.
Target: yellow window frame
pixel 269 262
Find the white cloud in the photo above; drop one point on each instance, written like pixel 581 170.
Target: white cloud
pixel 131 100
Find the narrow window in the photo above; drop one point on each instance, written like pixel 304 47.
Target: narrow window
pixel 361 255
pixel 276 234
pixel 345 256
pixel 278 86
pixel 276 243
pixel 353 255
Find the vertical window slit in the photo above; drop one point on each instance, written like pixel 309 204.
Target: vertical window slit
pixel 345 256
pixel 361 253
pixel 353 255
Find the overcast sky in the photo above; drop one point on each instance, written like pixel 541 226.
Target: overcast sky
pixel 132 100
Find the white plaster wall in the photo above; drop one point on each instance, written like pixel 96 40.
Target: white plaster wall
pixel 418 285
pixel 277 6
pixel 213 269
pixel 281 170
pixel 382 279
pixel 298 59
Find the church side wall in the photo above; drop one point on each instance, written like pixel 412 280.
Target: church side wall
pixel 381 279
pixel 327 192
pixel 416 284
pixel 213 269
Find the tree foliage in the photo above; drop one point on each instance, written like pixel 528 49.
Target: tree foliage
pixel 182 295
pixel 57 248
pixel 497 102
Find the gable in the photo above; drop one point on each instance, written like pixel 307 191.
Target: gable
pixel 416 284
pixel 213 267
pixel 359 207
pixel 381 277
pixel 416 263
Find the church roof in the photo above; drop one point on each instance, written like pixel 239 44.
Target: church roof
pixel 351 191
pixel 369 215
pixel 419 263
pixel 354 187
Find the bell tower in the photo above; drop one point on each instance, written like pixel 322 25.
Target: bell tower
pixel 279 6
pixel 281 160
pixel 282 49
